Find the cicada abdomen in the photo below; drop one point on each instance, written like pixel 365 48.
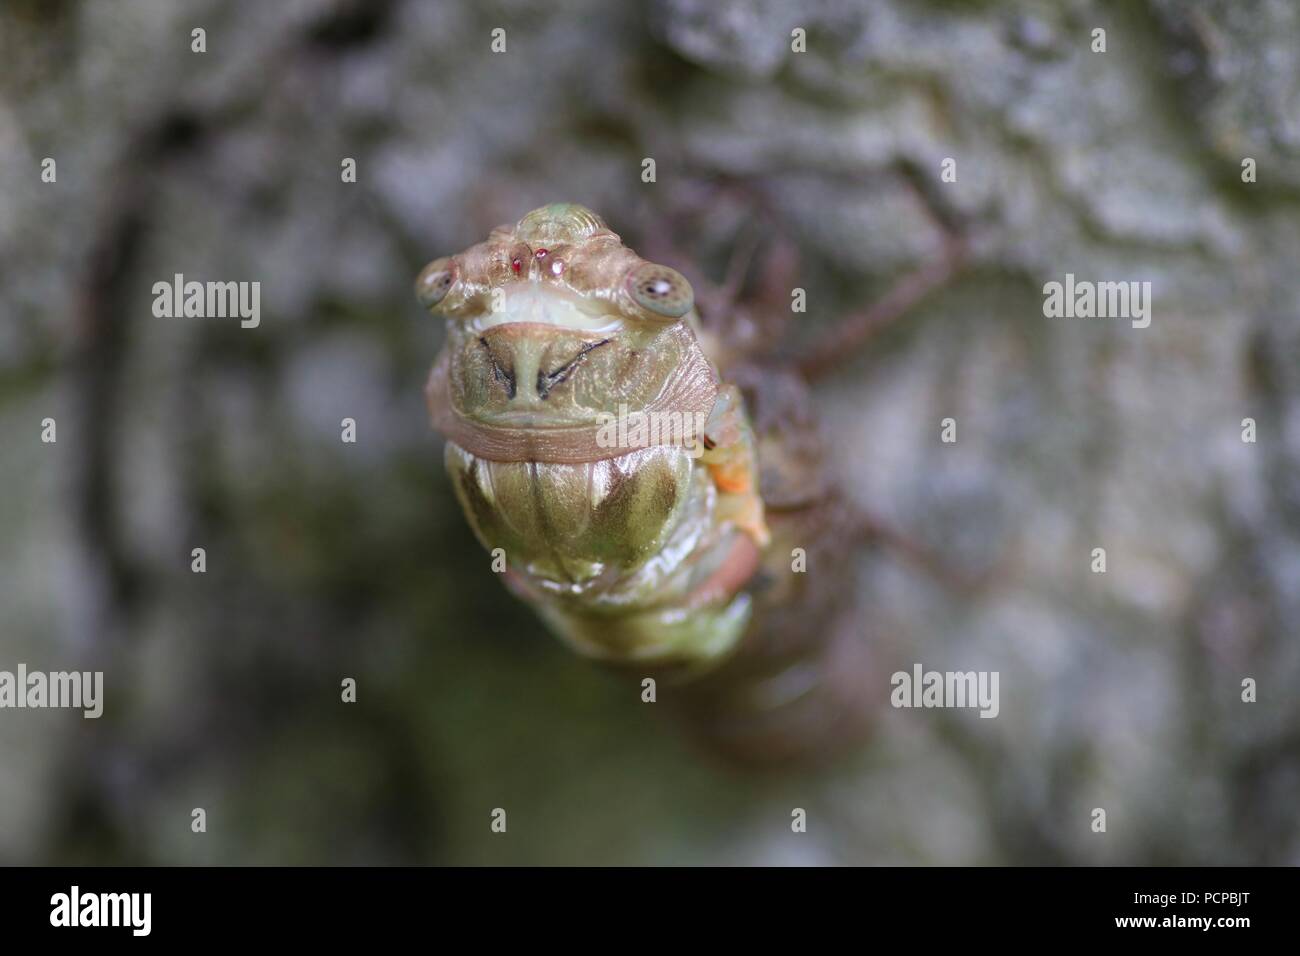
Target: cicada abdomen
pixel 650 524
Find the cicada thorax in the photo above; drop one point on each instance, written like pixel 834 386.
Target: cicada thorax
pixel 650 553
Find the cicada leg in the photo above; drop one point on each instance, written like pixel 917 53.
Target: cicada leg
pixel 916 553
pixel 755 327
pixel 848 336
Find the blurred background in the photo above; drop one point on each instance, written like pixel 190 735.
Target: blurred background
pixel 328 560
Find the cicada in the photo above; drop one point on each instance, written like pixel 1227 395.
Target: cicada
pixel 661 500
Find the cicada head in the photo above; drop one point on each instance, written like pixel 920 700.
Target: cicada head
pixel 553 323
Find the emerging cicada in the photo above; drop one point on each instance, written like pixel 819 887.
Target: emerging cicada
pixel 614 452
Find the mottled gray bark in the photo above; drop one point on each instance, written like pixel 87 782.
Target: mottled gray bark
pixel 328 560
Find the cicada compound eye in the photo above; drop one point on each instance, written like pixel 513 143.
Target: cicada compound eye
pixel 660 290
pixel 433 282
